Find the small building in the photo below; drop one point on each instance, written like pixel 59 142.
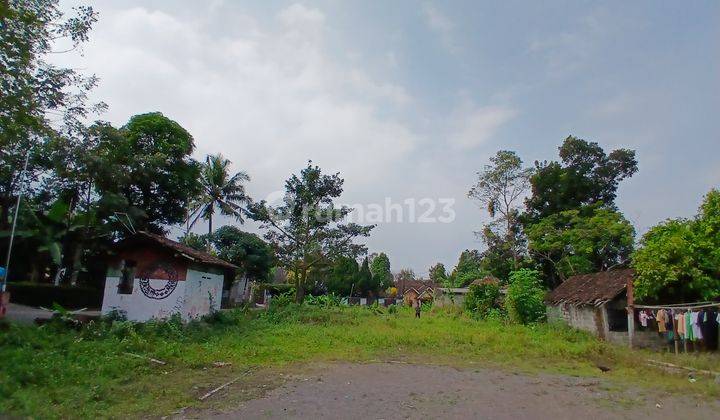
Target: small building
pixel 153 277
pixel 410 290
pixel 450 296
pixel 593 302
pixel 456 295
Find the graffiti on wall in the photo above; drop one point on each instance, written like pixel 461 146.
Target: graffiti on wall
pixel 158 271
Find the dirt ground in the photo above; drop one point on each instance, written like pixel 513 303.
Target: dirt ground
pixel 409 391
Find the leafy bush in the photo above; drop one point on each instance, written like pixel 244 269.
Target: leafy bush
pixel 482 298
pixel 282 300
pixel 325 300
pixel 524 300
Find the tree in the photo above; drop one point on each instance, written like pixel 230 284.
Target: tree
pixel 438 273
pixel 525 295
pixel 343 276
pixel 246 250
pixel 367 285
pixel 501 253
pixel 39 100
pixel 220 190
pixel 195 241
pixel 499 188
pixel 307 228
pixel 468 268
pixel 680 259
pixel 380 270
pixel 592 238
pixel 157 174
pixel 405 274
pixel 584 176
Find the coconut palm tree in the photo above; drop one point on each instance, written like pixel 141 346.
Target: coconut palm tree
pixel 219 190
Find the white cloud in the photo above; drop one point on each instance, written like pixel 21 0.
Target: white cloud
pixel 439 23
pixel 476 125
pixel 269 99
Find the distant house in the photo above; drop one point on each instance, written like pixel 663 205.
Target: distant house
pixel 456 295
pixel 594 302
pixel 410 290
pixel 151 276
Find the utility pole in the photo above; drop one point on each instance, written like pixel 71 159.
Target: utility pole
pixel 4 298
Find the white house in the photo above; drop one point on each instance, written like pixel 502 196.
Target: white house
pixel 151 276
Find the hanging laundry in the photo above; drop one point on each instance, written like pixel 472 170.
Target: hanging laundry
pixel 696 326
pixel 680 322
pixel 661 319
pixel 689 334
pixel 643 319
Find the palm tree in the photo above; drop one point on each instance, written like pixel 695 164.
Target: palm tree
pixel 220 190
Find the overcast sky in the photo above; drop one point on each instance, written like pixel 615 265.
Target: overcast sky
pixel 409 99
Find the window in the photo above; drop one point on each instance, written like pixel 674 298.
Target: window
pixel 127 278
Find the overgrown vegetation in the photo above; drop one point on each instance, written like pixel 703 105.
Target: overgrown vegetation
pixel 54 372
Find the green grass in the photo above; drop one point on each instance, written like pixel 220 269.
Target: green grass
pixel 51 372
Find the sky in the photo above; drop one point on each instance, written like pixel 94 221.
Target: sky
pixel 408 100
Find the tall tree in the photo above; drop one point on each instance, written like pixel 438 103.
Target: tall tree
pixel 39 99
pixel 343 276
pixel 307 228
pixel 680 259
pixel 438 273
pixel 157 174
pixel 468 268
pixel 380 269
pixel 405 274
pixel 246 250
pixel 500 188
pixel 579 241
pixel 585 175
pixel 221 190
pixel 366 283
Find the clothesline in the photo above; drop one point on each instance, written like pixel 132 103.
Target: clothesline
pixel 684 306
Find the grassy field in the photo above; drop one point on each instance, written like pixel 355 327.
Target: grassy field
pixel 52 372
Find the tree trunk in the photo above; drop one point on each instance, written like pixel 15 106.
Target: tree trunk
pixel 300 286
pixel 76 262
pixel 209 239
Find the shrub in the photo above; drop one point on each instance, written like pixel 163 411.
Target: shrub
pixel 282 300
pixel 325 300
pixel 524 300
pixel 482 298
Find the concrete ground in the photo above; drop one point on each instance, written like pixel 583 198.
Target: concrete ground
pixel 407 391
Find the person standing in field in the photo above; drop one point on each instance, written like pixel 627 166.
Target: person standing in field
pixel 416 305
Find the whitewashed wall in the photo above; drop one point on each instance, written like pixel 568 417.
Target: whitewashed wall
pixel 203 292
pixel 194 297
pixel 137 306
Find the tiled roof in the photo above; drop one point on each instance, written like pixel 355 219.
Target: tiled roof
pixel 184 250
pixel 591 289
pixel 418 285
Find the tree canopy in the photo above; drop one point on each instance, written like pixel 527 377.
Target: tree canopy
pixel 578 241
pixel 219 190
pixel 380 269
pixel 438 274
pixel 680 258
pixel 307 228
pixel 585 175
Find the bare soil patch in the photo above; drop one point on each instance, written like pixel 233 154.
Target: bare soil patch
pixel 409 391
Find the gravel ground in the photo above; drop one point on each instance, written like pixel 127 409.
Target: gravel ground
pixel 402 391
